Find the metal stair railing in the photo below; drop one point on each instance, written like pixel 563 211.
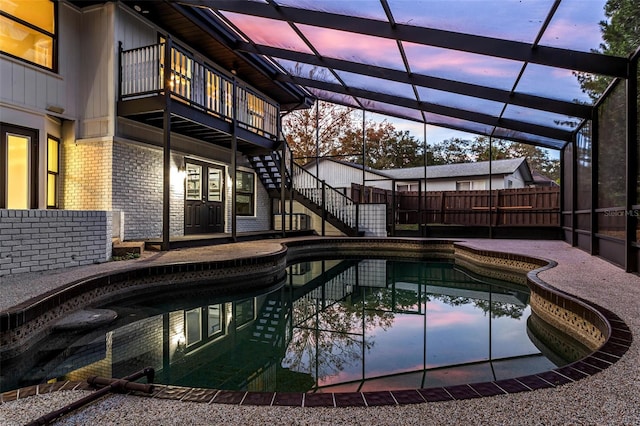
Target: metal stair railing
pixel 296 178
pixel 325 196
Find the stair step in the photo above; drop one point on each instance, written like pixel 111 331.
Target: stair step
pixel 127 247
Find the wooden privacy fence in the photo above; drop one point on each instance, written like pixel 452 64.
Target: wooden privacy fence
pixel 536 206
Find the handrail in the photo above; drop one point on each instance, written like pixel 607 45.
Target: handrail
pixel 330 199
pixel 196 83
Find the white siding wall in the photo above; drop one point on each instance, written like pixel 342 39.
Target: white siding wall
pixel 341 176
pixel 516 178
pixel 132 31
pixel 32 88
pixel 497 182
pixel 98 76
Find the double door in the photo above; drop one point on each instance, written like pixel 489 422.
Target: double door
pixel 204 198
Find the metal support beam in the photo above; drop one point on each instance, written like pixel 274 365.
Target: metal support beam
pixel 631 258
pixel 467 89
pixel 574 193
pixel 490 187
pixel 500 48
pixel 477 117
pixel 283 198
pixel 234 162
pixel 364 157
pixel 393 207
pixel 166 149
pixel 595 148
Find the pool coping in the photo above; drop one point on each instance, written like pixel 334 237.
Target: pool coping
pixel 617 342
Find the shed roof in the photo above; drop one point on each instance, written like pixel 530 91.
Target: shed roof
pixel 481 168
pixel 444 171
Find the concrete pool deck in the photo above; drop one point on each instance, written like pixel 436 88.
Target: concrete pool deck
pixel 608 397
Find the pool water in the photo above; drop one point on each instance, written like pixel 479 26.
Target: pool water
pixel 331 326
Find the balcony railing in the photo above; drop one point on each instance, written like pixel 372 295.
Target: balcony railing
pixel 197 84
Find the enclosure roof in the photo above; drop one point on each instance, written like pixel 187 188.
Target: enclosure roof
pixel 498 167
pixel 505 68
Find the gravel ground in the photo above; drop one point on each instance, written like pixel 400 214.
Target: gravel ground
pixel 611 397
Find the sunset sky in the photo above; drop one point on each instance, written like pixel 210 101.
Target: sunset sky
pixel 575 26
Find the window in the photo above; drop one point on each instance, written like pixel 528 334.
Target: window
pixel 181 70
pixel 193 326
pixel 406 187
pixel 463 186
pixel 28 31
pixel 53 170
pixel 18 168
pixel 194 182
pixel 215 318
pixel 203 325
pixel 245 312
pixel 245 191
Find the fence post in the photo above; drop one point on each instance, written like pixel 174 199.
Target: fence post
pixel 357 219
pixel 324 207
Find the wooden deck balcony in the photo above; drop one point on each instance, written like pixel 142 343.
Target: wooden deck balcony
pixel 204 103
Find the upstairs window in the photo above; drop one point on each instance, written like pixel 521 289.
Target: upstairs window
pixel 28 31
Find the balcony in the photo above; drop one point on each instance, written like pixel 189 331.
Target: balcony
pixel 202 100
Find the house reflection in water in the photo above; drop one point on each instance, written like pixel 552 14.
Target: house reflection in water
pixel 334 325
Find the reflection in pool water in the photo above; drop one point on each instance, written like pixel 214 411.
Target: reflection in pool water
pixel 333 326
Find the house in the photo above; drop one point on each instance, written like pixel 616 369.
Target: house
pixel 497 174
pixel 93 146
pixel 511 173
pixel 341 174
pixel 541 180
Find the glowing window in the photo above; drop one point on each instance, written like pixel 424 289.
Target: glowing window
pixel 27 31
pixel 18 171
pixel 53 169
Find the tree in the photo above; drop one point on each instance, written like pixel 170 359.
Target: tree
pixel 385 147
pixel 620 35
pixel 449 151
pixel 457 150
pixel 331 121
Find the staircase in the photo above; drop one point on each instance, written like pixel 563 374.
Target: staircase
pixel 268 327
pixel 323 200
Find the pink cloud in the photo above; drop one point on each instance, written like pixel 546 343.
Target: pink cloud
pixel 268 32
pixel 572 34
pixel 441 316
pixel 427 59
pixel 354 47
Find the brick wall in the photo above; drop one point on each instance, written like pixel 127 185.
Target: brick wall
pixel 40 240
pixel 134 187
pixel 137 191
pixel 86 178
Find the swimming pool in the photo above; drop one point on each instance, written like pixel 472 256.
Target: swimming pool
pixel 24 326
pixel 332 325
